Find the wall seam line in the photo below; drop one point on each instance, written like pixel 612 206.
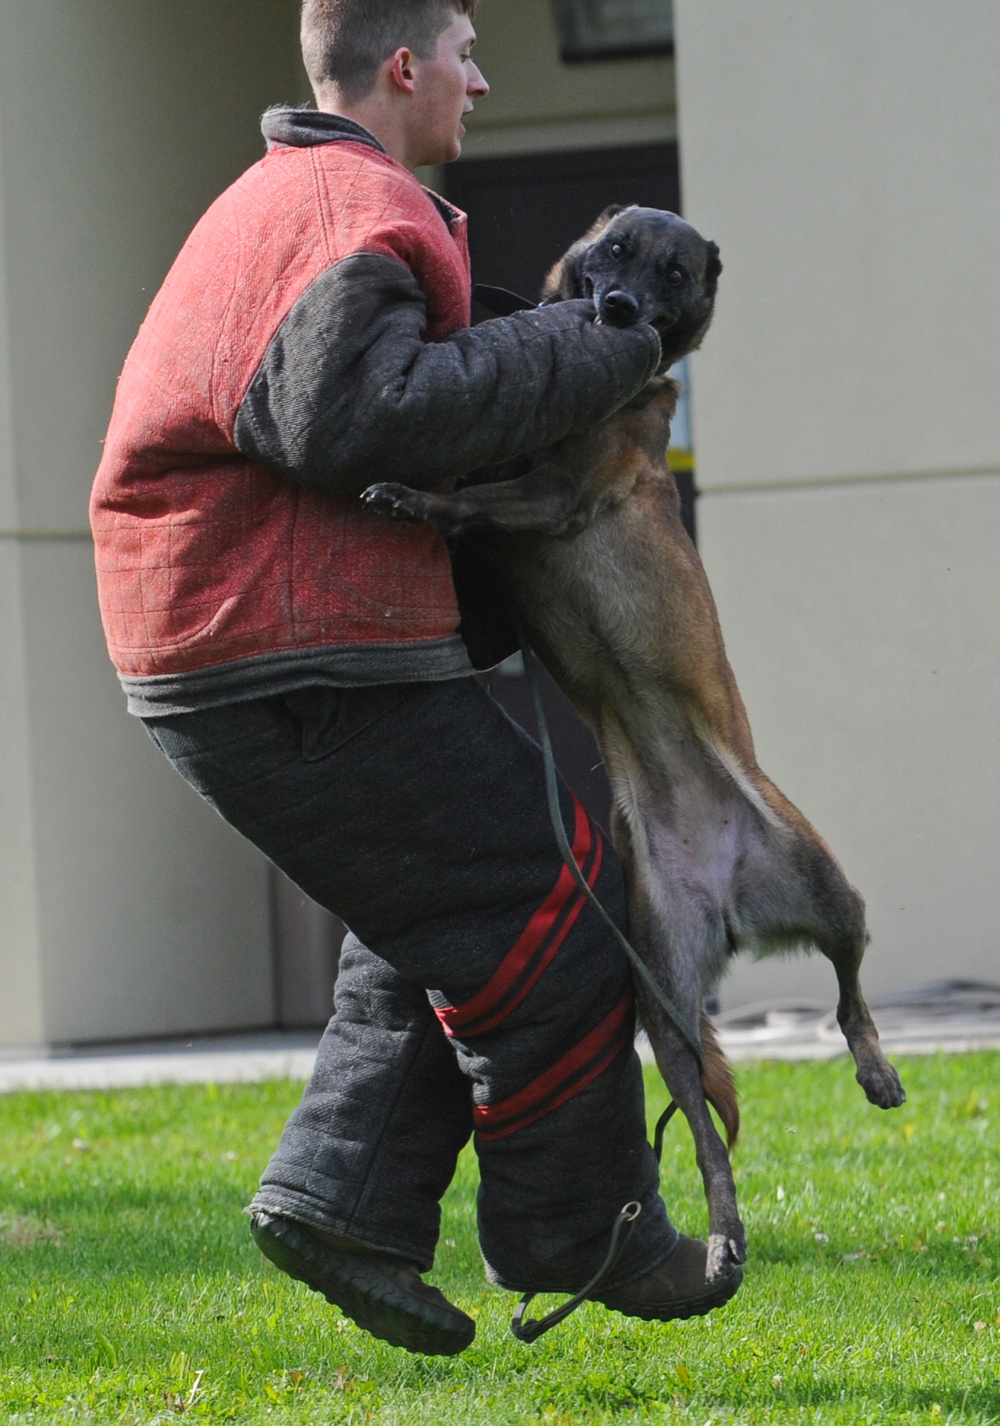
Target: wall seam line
pixel 842 481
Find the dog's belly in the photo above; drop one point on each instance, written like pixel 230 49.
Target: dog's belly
pixel 622 617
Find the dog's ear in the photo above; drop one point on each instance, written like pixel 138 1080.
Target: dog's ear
pixel 601 222
pixel 552 286
pixel 562 281
pixel 712 264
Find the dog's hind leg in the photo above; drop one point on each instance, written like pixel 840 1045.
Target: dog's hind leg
pixel 842 938
pixel 789 892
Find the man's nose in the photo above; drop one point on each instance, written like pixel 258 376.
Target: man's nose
pixel 477 86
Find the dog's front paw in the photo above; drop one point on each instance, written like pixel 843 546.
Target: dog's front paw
pixel 398 502
pixel 726 1251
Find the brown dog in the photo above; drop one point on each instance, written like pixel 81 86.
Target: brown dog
pixel 618 607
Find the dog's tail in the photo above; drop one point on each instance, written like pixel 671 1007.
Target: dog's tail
pixel 717 1081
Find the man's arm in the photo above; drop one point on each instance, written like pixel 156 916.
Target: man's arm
pixel 350 392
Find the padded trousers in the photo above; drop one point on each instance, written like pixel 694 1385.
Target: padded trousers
pixel 479 992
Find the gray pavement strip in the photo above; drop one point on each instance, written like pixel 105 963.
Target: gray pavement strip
pixel 948 1016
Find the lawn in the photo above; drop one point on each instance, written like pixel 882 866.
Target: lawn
pixel 130 1291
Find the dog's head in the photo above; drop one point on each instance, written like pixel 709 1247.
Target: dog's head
pixel 643 265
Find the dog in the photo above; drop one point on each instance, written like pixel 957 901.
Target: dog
pixel 616 603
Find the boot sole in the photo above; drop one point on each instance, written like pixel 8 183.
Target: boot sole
pixel 362 1291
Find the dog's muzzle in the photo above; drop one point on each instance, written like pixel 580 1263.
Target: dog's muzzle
pixel 619 308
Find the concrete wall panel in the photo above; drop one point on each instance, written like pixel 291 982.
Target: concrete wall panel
pixel 845 157
pixel 126 906
pixel 861 624
pixel 20 1001
pixel 120 121
pixel 152 912
pixel 538 103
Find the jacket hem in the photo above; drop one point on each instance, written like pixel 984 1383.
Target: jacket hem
pixel 263 675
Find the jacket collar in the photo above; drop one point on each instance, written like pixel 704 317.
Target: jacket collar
pixel 302 128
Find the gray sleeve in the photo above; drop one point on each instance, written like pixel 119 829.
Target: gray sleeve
pixel 350 392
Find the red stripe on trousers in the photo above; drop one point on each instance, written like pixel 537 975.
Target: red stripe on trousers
pixel 553 1087
pixel 455 1018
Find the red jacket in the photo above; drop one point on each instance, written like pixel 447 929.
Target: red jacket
pixel 311 338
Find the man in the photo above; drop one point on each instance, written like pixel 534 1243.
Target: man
pixel 298 660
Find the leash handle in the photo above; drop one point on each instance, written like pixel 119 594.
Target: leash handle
pixel 555 815
pixel 535 1327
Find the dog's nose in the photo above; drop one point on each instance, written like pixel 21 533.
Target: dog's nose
pixel 619 308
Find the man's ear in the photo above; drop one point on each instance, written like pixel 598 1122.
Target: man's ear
pixel 399 69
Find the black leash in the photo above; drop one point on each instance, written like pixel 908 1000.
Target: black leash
pixel 552 793
pixel 533 1328
pixel 536 1327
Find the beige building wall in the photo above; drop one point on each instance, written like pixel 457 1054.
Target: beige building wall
pixel 126 906
pixel 847 159
pixel 539 104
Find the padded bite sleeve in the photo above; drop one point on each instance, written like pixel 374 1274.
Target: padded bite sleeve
pixel 349 391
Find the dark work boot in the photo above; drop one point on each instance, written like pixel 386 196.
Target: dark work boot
pixel 382 1293
pixel 674 1288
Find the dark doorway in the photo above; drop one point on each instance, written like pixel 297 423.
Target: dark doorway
pixel 525 211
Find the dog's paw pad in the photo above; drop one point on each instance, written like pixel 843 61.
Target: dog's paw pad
pixel 883 1088
pixel 396 501
pixel 725 1253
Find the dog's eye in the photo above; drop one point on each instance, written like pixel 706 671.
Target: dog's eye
pixel 675 276
pixel 616 249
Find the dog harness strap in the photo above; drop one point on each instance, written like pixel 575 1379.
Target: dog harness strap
pixel 536 1327
pixel 638 965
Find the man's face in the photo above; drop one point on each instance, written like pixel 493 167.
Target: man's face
pixel 446 85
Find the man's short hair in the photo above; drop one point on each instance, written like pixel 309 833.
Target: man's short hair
pixel 345 42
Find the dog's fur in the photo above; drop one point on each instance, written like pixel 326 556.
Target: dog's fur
pixel 615 601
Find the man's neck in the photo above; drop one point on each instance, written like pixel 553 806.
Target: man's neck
pixel 378 117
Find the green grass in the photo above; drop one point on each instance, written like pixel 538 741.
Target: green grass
pixel 130 1291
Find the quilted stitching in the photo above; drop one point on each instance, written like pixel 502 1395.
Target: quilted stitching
pixel 183 524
